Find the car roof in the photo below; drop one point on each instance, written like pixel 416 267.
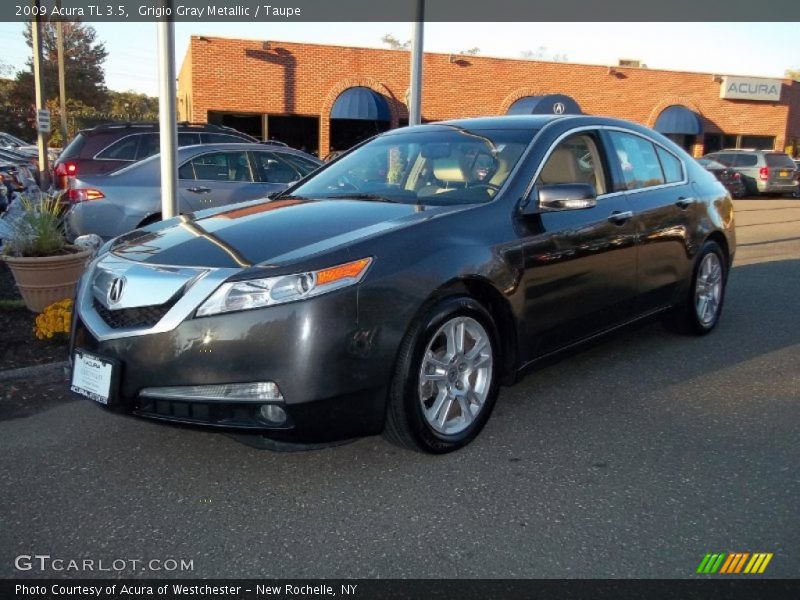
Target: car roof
pixel 523 122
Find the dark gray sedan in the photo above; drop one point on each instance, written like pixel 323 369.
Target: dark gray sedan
pixel 209 176
pixel 396 288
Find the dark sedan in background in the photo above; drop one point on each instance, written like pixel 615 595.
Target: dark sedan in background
pixel 209 175
pixel 730 178
pixel 396 288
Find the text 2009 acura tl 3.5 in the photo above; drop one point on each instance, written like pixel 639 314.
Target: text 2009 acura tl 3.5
pixel 397 287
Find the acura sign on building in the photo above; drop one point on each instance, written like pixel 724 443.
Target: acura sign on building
pixel 750 88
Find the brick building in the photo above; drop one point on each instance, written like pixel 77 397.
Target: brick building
pixel 323 97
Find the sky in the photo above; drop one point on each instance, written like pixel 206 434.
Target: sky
pixel 755 49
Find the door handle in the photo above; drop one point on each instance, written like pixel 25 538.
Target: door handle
pixel 620 217
pixel 199 190
pixel 684 203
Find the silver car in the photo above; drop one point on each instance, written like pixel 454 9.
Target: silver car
pixel 764 171
pixel 209 175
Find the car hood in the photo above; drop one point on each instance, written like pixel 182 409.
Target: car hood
pixel 268 233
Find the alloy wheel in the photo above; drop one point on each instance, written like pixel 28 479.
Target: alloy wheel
pixel 456 375
pixel 708 289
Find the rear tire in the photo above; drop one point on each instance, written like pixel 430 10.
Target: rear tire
pixel 700 312
pixel 446 379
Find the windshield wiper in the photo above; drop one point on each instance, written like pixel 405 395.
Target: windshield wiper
pixel 282 196
pixel 360 196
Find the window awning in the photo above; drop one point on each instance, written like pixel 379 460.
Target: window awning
pixel 551 104
pixel 360 103
pixel 679 120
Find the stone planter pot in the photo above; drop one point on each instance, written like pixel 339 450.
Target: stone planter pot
pixel 43 280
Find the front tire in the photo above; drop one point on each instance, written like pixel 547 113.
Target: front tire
pixel 446 379
pixel 702 308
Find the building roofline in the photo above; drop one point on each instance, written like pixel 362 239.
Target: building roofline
pixel 709 74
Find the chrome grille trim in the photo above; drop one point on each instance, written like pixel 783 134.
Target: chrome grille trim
pixel 195 283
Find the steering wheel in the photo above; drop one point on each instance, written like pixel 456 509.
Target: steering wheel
pixel 345 183
pixel 484 184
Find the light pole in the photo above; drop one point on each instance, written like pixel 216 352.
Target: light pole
pixel 415 100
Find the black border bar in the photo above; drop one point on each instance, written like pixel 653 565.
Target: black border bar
pixel 716 588
pixel 535 11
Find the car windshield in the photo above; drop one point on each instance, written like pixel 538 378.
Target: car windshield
pixel 436 167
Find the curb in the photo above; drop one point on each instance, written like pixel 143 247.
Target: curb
pixel 34 371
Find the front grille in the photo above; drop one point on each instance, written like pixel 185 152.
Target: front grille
pixel 140 317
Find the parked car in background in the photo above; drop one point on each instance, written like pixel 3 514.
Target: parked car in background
pixel 730 178
pixel 107 148
pixel 27 163
pixel 763 171
pixel 394 289
pixel 209 176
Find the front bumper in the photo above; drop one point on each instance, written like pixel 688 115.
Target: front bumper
pixel 312 350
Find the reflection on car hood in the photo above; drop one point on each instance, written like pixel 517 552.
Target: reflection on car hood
pixel 267 233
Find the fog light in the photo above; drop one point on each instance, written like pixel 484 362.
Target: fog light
pixel 273 414
pixel 226 392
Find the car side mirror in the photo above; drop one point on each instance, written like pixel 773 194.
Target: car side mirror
pixel 562 196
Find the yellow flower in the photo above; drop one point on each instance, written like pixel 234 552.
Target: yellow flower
pixel 54 319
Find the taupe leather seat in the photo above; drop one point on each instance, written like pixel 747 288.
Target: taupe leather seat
pixel 561 167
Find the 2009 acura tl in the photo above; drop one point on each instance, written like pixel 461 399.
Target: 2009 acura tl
pixel 397 287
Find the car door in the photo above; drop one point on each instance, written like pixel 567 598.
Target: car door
pixel 656 184
pixel 579 274
pixel 217 178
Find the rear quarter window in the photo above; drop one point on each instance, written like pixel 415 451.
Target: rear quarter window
pixel 74 148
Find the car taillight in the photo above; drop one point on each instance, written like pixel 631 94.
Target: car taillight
pixel 75 196
pixel 737 175
pixel 763 173
pixel 70 169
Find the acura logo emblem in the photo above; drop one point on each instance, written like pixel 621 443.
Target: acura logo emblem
pixel 558 108
pixel 116 289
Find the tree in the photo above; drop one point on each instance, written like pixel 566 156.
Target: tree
pixel 394 43
pixel 83 64
pixel 793 74
pixel 132 104
pixel 471 51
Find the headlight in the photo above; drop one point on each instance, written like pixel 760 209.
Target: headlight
pixel 258 293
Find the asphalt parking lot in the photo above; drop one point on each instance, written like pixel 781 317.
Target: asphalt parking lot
pixel 633 458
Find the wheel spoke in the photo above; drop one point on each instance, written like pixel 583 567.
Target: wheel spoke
pixel 445 411
pixel 450 337
pixel 482 362
pixel 466 413
pixel 702 305
pixel 480 343
pixel 433 412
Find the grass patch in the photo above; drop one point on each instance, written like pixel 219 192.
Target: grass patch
pixel 11 303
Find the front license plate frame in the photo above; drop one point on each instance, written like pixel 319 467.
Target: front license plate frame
pixel 94 377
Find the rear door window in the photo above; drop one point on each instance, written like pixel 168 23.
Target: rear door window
pixel 745 160
pixel 638 160
pixel 219 166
